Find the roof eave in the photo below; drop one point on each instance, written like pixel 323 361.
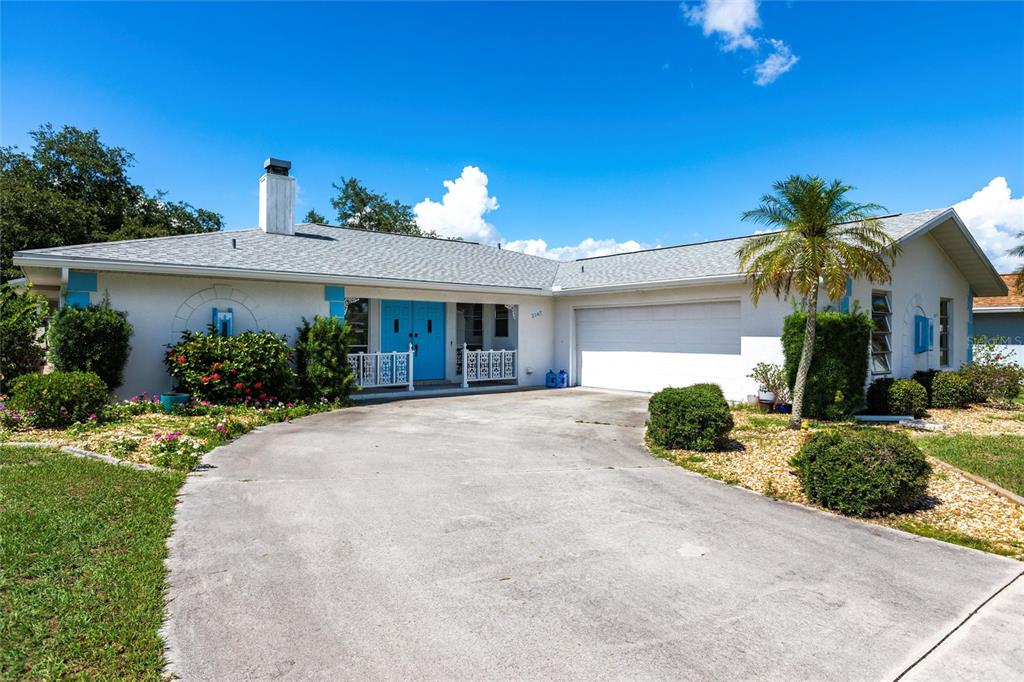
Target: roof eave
pixel 994 287
pixel 142 267
pixel 654 284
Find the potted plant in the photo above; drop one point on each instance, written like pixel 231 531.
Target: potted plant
pixel 172 399
pixel 771 383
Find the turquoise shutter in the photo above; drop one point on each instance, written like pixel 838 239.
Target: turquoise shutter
pixel 970 324
pixel 77 299
pixel 80 284
pixel 335 296
pixel 844 302
pixel 920 333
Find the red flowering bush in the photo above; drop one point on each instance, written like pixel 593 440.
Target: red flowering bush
pixel 253 367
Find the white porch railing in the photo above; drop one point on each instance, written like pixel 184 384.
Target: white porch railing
pixel 487 365
pixel 373 370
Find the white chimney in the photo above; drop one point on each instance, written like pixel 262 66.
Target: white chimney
pixel 277 198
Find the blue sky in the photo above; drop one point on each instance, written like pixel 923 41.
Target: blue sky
pixel 621 122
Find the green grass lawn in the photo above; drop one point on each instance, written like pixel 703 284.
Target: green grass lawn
pixel 81 566
pixel 999 459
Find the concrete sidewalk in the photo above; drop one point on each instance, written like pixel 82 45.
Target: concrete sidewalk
pixel 530 535
pixel 988 646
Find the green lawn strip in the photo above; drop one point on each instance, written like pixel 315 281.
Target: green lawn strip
pixel 81 566
pixel 926 530
pixel 999 459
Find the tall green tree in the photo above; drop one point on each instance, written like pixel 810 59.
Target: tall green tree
pixel 360 207
pixel 821 238
pixel 71 188
pixel 22 313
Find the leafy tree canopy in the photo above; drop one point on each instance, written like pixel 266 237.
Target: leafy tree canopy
pixel 71 188
pixel 360 207
pixel 313 217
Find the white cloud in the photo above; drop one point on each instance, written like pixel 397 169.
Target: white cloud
pixel 587 248
pixel 460 213
pixel 732 20
pixel 995 218
pixel 777 63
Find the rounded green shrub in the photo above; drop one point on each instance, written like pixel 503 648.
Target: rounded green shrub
pixel 906 396
pixel 878 396
pixel 93 339
pixel 949 389
pixel 691 418
pixel 862 472
pixel 321 359
pixel 58 398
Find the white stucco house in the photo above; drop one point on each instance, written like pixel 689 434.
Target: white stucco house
pixel 636 321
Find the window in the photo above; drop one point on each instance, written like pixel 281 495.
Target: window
pixel 944 308
pixel 881 337
pixel 500 321
pixel 357 314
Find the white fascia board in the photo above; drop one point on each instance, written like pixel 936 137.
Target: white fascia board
pixel 1000 309
pixel 266 275
pixel 657 284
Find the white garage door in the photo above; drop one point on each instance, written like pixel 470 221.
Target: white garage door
pixel 646 348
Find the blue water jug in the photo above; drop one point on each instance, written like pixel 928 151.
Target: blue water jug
pixel 551 379
pixel 563 379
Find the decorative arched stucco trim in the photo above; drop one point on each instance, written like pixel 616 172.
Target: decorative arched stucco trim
pixel 217 292
pixel 909 360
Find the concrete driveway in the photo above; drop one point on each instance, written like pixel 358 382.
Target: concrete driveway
pixel 529 535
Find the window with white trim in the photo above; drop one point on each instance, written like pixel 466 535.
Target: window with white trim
pixel 881 336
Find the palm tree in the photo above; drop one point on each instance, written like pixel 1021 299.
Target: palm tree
pixel 1019 252
pixel 821 239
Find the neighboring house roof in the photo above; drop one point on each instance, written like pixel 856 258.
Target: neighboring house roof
pixel 1013 302
pixel 321 252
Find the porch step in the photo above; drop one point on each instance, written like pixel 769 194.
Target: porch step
pixel 435 392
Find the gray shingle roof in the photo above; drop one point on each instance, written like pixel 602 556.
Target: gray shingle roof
pixel 330 251
pixel 689 261
pixel 344 252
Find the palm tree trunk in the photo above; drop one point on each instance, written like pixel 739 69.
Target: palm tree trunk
pixel 805 359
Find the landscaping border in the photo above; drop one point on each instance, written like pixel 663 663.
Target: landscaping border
pixel 983 482
pixel 79 452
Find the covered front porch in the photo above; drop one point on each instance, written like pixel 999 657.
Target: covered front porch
pixel 409 345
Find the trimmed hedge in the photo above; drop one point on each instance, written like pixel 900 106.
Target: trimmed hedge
pixel 321 359
pixel 906 396
pixel 839 366
pixel 21 317
pixel 252 367
pixel 58 398
pixel 93 339
pixel 949 389
pixel 862 472
pixel 692 418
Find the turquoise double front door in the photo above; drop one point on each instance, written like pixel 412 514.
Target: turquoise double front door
pixel 420 323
